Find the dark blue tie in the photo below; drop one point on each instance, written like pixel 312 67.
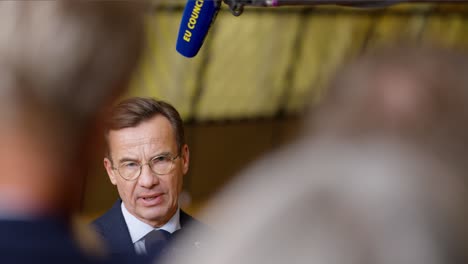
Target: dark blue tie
pixel 156 242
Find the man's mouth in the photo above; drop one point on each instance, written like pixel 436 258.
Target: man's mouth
pixel 150 196
pixel 151 200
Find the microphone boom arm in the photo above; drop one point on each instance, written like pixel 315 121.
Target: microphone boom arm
pixel 237 6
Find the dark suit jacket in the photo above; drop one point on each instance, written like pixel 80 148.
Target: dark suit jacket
pixel 113 229
pixel 41 240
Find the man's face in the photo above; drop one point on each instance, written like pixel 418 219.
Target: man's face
pixel 152 198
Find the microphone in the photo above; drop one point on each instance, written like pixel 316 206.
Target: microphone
pixel 196 21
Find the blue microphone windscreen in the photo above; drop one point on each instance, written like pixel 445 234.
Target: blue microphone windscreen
pixel 196 21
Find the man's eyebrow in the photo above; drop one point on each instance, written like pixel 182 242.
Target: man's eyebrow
pixel 126 159
pixel 166 153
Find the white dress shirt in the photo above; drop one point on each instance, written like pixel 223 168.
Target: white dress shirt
pixel 138 229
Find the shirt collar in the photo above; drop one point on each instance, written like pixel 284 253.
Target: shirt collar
pixel 139 229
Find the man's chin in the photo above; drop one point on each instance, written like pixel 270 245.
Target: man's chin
pixel 154 215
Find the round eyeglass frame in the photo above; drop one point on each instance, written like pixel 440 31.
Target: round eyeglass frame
pixel 151 168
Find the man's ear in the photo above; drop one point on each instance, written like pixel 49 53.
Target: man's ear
pixel 185 155
pixel 110 171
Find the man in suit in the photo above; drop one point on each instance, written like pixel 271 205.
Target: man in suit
pixel 147 159
pixel 61 63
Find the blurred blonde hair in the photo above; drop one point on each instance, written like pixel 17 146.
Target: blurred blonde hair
pixel 382 180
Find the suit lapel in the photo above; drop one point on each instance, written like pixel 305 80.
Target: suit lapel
pixel 185 219
pixel 188 223
pixel 116 231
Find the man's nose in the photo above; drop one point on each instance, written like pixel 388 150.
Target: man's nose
pixel 147 177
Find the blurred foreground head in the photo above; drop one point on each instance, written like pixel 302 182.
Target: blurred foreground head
pixel 379 180
pixel 413 95
pixel 61 63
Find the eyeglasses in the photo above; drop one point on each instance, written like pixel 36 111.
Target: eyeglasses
pixel 131 170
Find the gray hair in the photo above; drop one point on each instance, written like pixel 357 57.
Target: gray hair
pixel 65 58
